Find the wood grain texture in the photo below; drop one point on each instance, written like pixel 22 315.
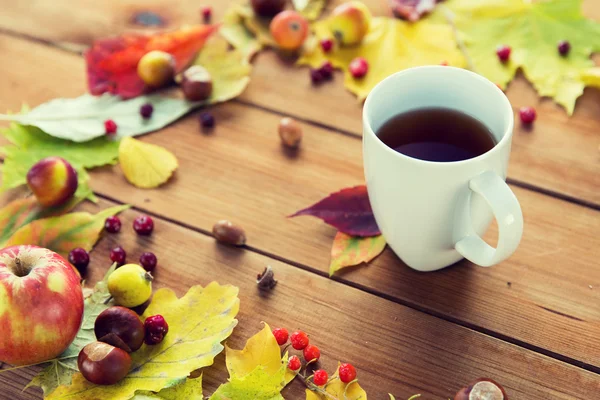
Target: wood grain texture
pixel 560 154
pixel 395 349
pixel 240 172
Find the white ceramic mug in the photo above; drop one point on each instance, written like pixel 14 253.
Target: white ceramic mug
pixel 432 214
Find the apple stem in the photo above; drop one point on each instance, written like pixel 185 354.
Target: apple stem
pixel 20 270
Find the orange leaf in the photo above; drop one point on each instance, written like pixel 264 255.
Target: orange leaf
pixel 350 250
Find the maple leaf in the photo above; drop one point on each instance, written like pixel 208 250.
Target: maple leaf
pixel 348 210
pixel 533 31
pixel 198 322
pixel 112 62
pixel 348 250
pixel 189 389
pixel 390 46
pixel 337 390
pixel 60 370
pixel 412 10
pixel 257 372
pixel 66 232
pixel 145 165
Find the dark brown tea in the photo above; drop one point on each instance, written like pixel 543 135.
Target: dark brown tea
pixel 437 134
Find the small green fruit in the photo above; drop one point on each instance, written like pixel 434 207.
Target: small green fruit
pixel 130 285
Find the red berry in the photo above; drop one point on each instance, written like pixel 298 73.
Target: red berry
pixel 503 53
pixel 312 352
pixel 156 328
pixel 143 225
pixel 110 127
pixel 358 67
pixel 118 255
pixel 327 45
pixel 327 70
pixel 281 335
pixel 299 340
pixel 112 224
pixel 207 120
pixel 316 76
pixel 146 110
pixel 294 363
pixel 347 373
pixel 80 259
pixel 320 377
pixel 148 261
pixel 527 115
pixel 207 14
pixel 444 63
pixel 564 47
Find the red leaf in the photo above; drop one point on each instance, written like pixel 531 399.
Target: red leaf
pixel 112 62
pixel 412 10
pixel 348 210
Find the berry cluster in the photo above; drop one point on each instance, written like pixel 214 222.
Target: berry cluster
pixel 299 341
pixel 324 73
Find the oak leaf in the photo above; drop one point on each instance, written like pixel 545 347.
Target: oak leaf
pixel 145 165
pixel 349 250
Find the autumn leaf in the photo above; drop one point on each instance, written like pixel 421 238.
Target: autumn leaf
pixel 237 34
pixel 257 372
pixel 310 9
pixel 412 10
pixel 145 165
pixel 349 250
pixel 63 233
pixel 30 144
pixel 60 370
pixel 112 63
pixel 189 389
pixel 390 46
pixel 337 390
pixel 198 323
pixel 533 31
pixel 348 210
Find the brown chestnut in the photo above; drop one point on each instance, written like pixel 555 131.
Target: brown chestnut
pixel 196 83
pixel 123 323
pixel 482 389
pixel 103 364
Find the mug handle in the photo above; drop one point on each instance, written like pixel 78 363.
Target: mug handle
pixel 508 214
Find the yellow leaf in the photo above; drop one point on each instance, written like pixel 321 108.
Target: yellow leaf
pixel 257 385
pixel 338 389
pixel 390 46
pixel 260 350
pixel 145 165
pixel 311 9
pixel 198 322
pixel 237 34
pixel 229 69
pixel 190 389
pixel 351 250
pixel 532 29
pixel 591 77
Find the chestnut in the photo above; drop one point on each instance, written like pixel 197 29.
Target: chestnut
pixel 196 83
pixel 103 364
pixel 122 323
pixel 482 389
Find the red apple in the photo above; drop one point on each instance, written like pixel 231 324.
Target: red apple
pixel 41 305
pixel 53 181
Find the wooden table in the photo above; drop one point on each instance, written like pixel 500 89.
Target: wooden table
pixel 532 323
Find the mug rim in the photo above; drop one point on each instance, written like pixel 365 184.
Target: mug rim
pixel 506 136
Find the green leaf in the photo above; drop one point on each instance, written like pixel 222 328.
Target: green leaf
pixel 63 233
pixel 198 322
pixel 257 385
pixel 350 250
pixel 311 9
pixel 30 145
pixel 60 370
pixel 190 389
pixel 532 29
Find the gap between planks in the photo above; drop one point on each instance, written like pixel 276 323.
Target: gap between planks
pixel 77 49
pixel 371 291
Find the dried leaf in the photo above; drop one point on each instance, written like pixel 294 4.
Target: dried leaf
pixel 390 46
pixel 112 63
pixel 412 10
pixel 348 250
pixel 532 30
pixel 62 234
pixel 310 9
pixel 348 210
pixel 145 165
pixel 339 390
pixel 189 389
pixel 30 144
pixel 198 322
pixel 82 118
pixel 60 370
